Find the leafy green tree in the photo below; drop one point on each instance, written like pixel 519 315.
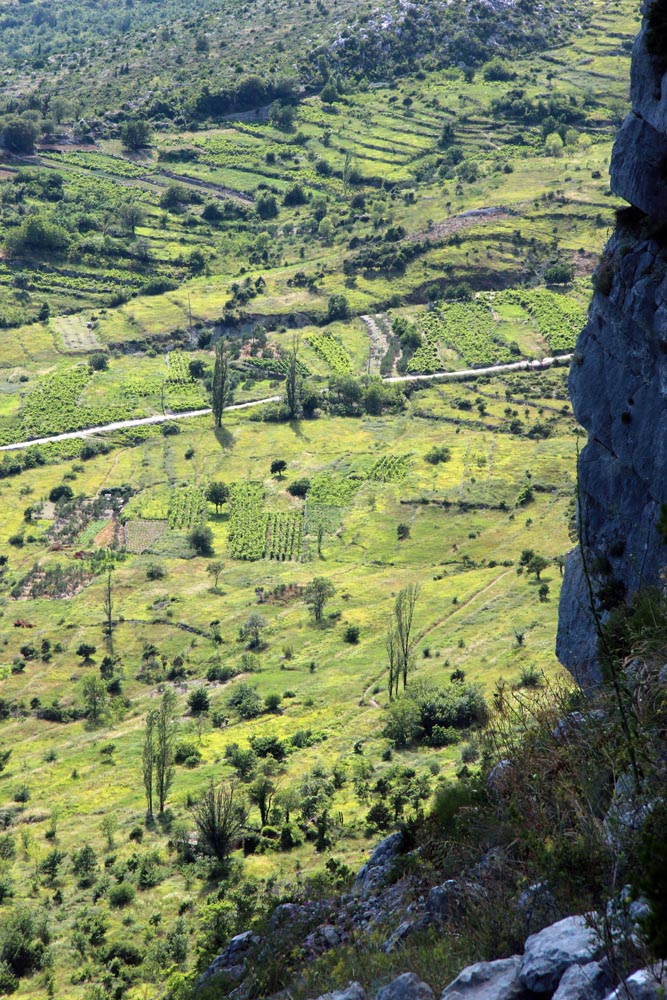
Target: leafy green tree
pixel 148 760
pixel 95 699
pixel 278 466
pixel 294 384
pixel 537 565
pixel 337 308
pixel 245 699
pixel 85 866
pixel 404 608
pixel 19 135
pixel 244 762
pixel 37 235
pixel 135 134
pixel 261 793
pixel 251 630
pixel 316 595
pixel 219 816
pixel 165 738
pixel 130 215
pixel 217 494
pixel 86 651
pixel 266 206
pixel 214 569
pixel 553 145
pixel 220 388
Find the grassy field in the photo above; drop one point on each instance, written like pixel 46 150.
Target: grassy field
pixel 467 528
pixel 370 204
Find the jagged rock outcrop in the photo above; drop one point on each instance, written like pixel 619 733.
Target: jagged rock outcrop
pixel 618 381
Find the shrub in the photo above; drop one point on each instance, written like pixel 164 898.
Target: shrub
pixel 188 753
pixel 268 746
pixel 59 493
pixel 299 488
pixel 246 701
pixel 198 701
pixel 201 540
pixel 437 454
pixel 121 895
pixel 351 634
pixel 24 937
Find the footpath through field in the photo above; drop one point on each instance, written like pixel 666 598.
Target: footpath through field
pixel 160 418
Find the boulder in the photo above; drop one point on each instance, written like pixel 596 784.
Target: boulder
pixel 537 906
pixel 645 984
pixel 376 869
pixel 591 981
pixel 627 813
pixel 499 777
pixel 286 915
pixel 403 931
pixel 487 981
pixel 406 987
pixel 231 960
pixel 444 901
pixel 549 953
pixel 353 991
pixel 322 939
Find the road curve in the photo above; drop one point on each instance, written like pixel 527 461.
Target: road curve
pixel 464 373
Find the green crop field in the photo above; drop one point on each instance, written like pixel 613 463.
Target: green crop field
pixel 330 215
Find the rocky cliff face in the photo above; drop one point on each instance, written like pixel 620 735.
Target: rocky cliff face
pixel 618 381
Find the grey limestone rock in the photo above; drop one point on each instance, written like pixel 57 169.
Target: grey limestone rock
pixel 403 931
pixel 353 991
pixel 550 952
pixel 645 984
pixel 406 987
pixel 443 900
pixel 231 960
pixel 618 385
pixel 376 869
pixel 487 981
pixel 591 981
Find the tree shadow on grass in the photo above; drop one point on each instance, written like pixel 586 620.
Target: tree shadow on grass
pixel 295 426
pixel 224 437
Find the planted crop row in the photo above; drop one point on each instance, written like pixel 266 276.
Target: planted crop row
pixel 332 490
pixel 247 522
pixel 178 367
pixel 53 400
pixel 187 507
pixel 185 397
pixel 54 407
pixel 101 161
pixel 283 536
pixel 559 319
pixel 279 366
pixel 468 328
pixel 332 351
pixel 426 358
pixel 390 468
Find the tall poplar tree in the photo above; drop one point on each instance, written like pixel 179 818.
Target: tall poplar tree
pixel 220 388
